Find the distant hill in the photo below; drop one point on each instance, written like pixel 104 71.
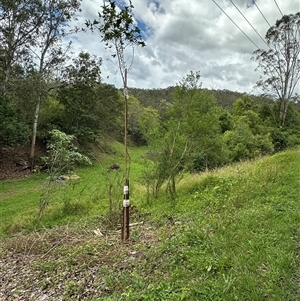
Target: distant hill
pixel 225 98
pixel 152 97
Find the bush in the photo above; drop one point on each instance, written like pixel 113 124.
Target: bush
pixel 62 154
pixel 279 140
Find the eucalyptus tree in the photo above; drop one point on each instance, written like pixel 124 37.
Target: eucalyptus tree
pixel 280 64
pixel 48 52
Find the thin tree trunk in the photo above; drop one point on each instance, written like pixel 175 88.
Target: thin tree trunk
pixel 283 111
pixel 38 104
pixel 35 124
pixel 5 81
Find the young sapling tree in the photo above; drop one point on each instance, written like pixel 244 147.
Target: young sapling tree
pixel 119 32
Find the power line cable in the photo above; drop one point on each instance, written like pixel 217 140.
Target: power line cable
pixel 236 24
pixel 278 8
pixel 249 23
pixel 262 13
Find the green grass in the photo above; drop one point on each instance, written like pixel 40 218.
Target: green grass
pixel 80 199
pixel 231 234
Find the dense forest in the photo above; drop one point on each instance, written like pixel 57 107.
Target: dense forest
pixel 224 98
pixel 186 126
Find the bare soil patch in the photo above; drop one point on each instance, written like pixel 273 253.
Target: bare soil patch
pixel 14 163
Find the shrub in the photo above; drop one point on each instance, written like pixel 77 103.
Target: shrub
pixel 62 154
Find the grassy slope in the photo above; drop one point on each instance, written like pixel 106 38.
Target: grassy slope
pixel 232 234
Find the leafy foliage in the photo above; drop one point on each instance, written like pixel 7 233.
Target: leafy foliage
pixel 91 108
pixel 191 128
pixel 13 131
pixel 19 23
pixel 62 157
pixel 119 24
pixel 51 116
pixel 118 30
pixel 62 154
pixel 248 138
pixel 135 110
pixel 79 96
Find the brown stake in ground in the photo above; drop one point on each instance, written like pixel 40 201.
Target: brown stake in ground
pixel 126 203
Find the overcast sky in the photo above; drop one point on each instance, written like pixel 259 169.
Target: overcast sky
pixel 190 35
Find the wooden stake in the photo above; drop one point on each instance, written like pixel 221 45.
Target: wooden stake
pixel 126 203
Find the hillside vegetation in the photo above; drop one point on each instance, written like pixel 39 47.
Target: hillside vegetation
pixel 206 226
pixel 230 234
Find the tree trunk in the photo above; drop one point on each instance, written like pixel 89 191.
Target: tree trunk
pixel 283 111
pixel 34 131
pixel 5 81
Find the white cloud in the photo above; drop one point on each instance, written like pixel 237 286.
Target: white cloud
pixel 190 35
